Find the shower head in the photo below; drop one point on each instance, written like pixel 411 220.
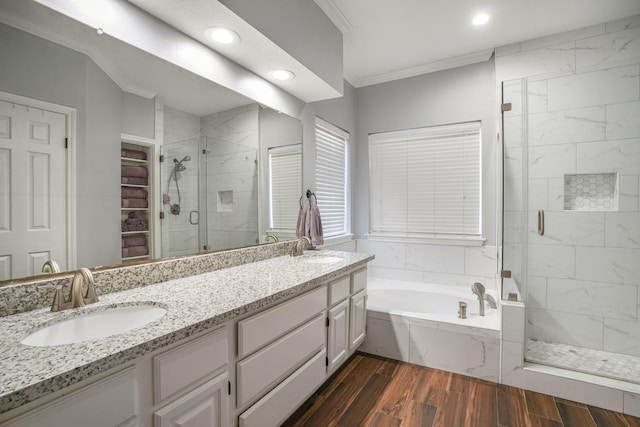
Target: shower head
pixel 178 166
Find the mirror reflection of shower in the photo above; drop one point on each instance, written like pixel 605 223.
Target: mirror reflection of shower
pixel 175 175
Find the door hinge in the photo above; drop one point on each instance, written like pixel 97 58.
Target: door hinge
pixel 161 215
pixel 229 387
pixel 66 143
pixel 505 107
pixel 327 322
pixel 505 274
pixel 161 158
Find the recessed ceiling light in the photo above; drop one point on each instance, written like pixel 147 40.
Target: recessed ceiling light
pixel 222 35
pixel 480 19
pixel 281 75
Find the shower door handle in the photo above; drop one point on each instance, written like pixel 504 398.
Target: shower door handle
pixel 541 222
pixel 192 215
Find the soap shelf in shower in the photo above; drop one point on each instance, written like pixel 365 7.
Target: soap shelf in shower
pixel 591 192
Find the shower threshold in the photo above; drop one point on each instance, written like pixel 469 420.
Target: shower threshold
pixel 597 362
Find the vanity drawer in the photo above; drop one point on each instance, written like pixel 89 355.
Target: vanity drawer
pixel 271 364
pixel 273 408
pixel 185 365
pixel 338 290
pixel 358 280
pixel 259 330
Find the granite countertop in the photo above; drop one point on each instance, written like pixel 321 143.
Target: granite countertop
pixel 193 304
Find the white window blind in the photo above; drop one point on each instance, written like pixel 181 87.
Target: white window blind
pixel 285 185
pixel 426 182
pixel 331 177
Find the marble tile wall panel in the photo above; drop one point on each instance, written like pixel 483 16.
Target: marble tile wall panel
pixel 628 193
pixel 388 254
pixel 512 227
pixel 560 57
pixel 552 161
pixel 608 265
pixel 538 194
pixel 536 292
pixel 480 261
pixel 609 300
pixel 386 338
pixel 631 403
pixel 568 228
pixel 609 156
pixel 512 134
pixel 613 48
pixel 458 280
pixel 556 194
pixel 622 336
pixel 551 261
pixel 394 273
pixel 610 86
pixel 512 93
pixel 470 355
pixel 537 96
pixel 565 328
pixel 622 230
pixel 568 36
pixel 512 195
pixel 512 163
pixel 559 127
pixel 513 322
pixel 435 258
pixel 623 24
pixel 622 120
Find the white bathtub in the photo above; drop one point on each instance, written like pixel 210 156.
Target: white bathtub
pixel 418 323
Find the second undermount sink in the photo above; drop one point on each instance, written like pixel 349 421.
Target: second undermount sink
pixel 95 325
pixel 320 259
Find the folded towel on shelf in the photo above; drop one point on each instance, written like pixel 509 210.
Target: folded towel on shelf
pixel 302 220
pixel 313 226
pixel 137 215
pixel 133 193
pixel 134 171
pixel 135 224
pixel 135 251
pixel 133 154
pixel 129 241
pixel 134 180
pixel 135 203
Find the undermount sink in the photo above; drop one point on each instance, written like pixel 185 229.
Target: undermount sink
pixel 95 325
pixel 321 259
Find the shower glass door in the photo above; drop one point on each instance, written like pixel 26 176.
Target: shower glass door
pixel 571 219
pixel 180 176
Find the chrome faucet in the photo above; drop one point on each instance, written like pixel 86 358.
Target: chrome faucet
pixel 50 267
pixel 76 299
pixel 298 249
pixel 271 237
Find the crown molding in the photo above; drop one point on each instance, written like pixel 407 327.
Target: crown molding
pixel 336 16
pixel 444 64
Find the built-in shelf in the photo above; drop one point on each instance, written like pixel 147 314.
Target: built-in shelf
pixel 129 159
pixel 129 239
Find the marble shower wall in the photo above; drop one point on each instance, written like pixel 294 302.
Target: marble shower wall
pixel 582 117
pixel 232 177
pixel 458 266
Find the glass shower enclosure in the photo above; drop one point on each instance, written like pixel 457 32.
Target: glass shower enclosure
pixel 571 219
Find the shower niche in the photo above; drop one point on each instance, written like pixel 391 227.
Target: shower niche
pixel 591 192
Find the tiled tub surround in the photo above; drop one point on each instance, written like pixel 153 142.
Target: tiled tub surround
pixel 195 303
pixel 435 337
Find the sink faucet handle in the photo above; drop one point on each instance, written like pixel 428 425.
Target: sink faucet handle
pixel 58 297
pixel 90 296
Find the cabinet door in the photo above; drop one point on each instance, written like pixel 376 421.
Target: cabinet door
pixel 338 334
pixel 358 319
pixel 207 405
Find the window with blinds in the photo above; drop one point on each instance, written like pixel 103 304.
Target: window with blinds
pixel 331 177
pixel 426 182
pixel 285 185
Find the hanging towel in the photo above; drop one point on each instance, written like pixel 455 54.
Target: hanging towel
pixel 313 227
pixel 302 220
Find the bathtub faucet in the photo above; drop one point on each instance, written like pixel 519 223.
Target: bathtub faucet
pixel 478 289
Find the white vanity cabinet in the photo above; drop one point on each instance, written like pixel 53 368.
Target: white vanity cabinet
pixel 358 308
pixel 338 322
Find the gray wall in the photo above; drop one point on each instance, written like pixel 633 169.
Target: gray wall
pixel 138 115
pixel 450 96
pixel 48 72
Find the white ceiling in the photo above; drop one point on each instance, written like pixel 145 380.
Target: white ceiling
pixel 389 39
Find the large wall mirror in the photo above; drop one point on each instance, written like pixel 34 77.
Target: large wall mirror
pixel 70 105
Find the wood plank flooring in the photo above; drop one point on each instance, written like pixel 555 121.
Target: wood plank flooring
pixel 378 392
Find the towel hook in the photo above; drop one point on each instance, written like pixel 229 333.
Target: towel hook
pixel 309 194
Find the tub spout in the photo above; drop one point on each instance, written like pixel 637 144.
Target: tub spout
pixel 491 300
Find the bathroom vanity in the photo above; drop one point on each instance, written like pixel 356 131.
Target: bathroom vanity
pixel 244 345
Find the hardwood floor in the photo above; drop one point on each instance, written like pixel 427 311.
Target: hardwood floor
pixel 378 392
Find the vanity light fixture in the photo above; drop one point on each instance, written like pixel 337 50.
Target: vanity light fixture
pixel 222 35
pixel 281 75
pixel 480 19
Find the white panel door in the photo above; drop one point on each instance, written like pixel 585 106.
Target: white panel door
pixel 32 189
pixel 338 334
